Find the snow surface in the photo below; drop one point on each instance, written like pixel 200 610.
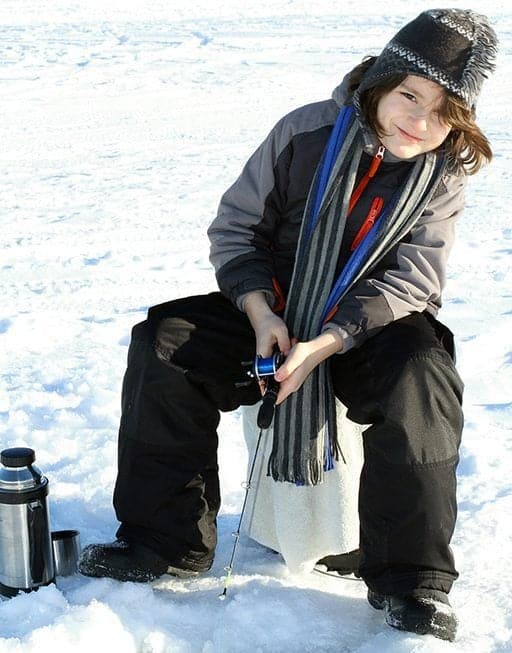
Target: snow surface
pixel 121 125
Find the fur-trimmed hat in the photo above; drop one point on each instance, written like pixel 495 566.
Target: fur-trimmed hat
pixel 455 48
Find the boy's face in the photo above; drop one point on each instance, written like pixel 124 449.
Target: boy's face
pixel 409 117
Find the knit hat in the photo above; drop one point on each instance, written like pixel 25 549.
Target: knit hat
pixel 455 48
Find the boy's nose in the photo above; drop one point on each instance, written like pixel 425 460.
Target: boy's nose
pixel 419 118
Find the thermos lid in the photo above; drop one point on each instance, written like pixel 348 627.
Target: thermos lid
pixel 20 480
pixel 18 457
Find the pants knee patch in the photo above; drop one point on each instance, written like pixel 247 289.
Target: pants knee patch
pixel 421 414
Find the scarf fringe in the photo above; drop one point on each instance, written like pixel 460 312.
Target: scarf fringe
pixel 313 475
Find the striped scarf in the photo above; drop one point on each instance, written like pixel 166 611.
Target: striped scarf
pixel 304 438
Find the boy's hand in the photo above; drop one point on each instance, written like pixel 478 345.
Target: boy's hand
pixel 302 360
pixel 270 330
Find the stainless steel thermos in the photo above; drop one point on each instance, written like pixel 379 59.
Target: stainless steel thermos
pixel 26 559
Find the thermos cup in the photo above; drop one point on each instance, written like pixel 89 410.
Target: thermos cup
pixel 26 558
pixel 66 551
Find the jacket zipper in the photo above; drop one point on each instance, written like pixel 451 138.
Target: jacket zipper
pixel 372 170
pixel 373 213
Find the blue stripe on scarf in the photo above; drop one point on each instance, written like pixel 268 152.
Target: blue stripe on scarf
pixel 330 155
pixel 355 262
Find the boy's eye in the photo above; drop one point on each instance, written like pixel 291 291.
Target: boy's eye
pixel 409 96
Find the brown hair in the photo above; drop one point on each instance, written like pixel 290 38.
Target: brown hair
pixel 465 146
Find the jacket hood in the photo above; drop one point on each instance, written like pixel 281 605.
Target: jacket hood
pixel 341 92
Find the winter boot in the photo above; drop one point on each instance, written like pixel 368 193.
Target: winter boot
pixel 131 561
pixel 342 563
pixel 424 612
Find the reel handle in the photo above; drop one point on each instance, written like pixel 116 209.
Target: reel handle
pixel 268 403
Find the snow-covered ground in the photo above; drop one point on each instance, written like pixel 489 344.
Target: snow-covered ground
pixel 121 125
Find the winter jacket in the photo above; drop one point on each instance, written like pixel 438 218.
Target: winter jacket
pixel 255 234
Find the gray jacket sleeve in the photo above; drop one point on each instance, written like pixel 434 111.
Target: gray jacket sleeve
pixel 414 274
pixel 242 233
pixel 240 242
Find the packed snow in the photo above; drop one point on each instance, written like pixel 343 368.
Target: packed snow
pixel 122 124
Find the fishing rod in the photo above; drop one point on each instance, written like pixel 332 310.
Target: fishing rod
pixel 262 369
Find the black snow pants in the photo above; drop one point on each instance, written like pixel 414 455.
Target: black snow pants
pixel 184 365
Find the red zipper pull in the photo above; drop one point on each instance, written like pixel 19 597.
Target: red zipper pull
pixel 373 214
pixel 375 209
pixel 376 161
pixel 374 166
